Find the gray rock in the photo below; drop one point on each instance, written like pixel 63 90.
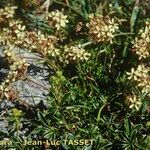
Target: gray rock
pixel 31 91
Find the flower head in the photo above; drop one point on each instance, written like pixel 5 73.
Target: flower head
pixel 75 53
pixel 132 74
pixel 142 43
pixel 141 76
pixel 40 43
pixel 16 112
pixel 15 33
pixel 7 13
pixel 102 28
pixel 135 102
pixel 57 19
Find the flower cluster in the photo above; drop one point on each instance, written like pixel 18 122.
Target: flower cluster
pixel 7 13
pixel 17 113
pixel 44 44
pixel 141 76
pixel 75 53
pixel 57 19
pixel 18 69
pixel 135 101
pixel 142 44
pixel 9 54
pixel 102 28
pixel 15 33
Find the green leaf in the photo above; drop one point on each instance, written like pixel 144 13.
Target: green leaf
pixel 101 108
pixel 43 119
pixel 37 130
pixel 127 127
pixel 83 130
pixel 135 130
pixel 134 16
pixel 82 2
pixel 88 147
pixel 66 96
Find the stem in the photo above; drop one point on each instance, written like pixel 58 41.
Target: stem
pixel 65 123
pixel 51 64
pixel 87 43
pixel 32 58
pixel 62 117
pixel 57 96
pixel 128 33
pixel 100 110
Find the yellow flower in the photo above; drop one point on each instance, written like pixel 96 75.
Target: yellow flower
pixel 16 112
pixel 7 13
pixel 102 28
pixel 9 53
pixel 135 102
pixel 75 53
pixel 142 43
pixel 53 51
pixel 57 19
pixel 142 71
pixel 145 85
pixel 139 73
pixel 132 74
